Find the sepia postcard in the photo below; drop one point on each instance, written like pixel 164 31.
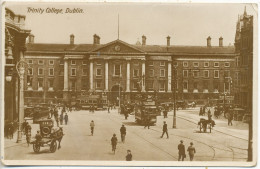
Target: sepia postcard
pixel 129 83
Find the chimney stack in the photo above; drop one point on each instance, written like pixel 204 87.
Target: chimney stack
pixel 96 39
pixel 168 40
pixel 72 39
pixel 31 38
pixel 221 42
pixel 143 40
pixel 209 41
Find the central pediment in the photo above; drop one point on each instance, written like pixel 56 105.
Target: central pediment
pixel 117 46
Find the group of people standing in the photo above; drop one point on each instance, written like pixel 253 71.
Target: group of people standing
pixel 60 115
pixel 182 154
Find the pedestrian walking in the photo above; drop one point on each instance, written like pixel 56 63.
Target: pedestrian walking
pixel 66 118
pixel 123 133
pixel 181 149
pixel 92 125
pixel 61 119
pixel 165 113
pixel 230 118
pixel 200 113
pixel 191 151
pixel 129 156
pixel 28 137
pixel 108 109
pixel 147 122
pixel 114 143
pixel 11 131
pixel 165 130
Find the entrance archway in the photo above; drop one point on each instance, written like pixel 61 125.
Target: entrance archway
pixel 114 94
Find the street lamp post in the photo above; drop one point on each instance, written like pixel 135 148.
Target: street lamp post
pixel 20 67
pixel 174 97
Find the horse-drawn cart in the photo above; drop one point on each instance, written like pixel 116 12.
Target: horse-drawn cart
pixel 48 136
pixel 206 124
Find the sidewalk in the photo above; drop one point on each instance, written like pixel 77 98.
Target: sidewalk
pixel 238 129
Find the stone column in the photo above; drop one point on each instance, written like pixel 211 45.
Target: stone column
pixel 128 75
pixel 169 76
pixel 66 75
pixel 106 75
pixel 91 75
pixel 143 75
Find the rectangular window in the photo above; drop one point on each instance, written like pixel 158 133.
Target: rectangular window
pixel 84 84
pixel 216 73
pixel 51 62
pixel 150 85
pixel 136 72
pixel 135 85
pixel 150 63
pixel 40 71
pixel 227 74
pixel 30 61
pixel 29 81
pixel 206 64
pixel 162 72
pixel 51 71
pixel 73 62
pixel 185 64
pixel 227 64
pixel 84 72
pixel 151 72
pixel 30 71
pixel 98 63
pixel 40 83
pixel 117 70
pixel 185 85
pixel 73 71
pixel 61 62
pixel 73 84
pixel 40 62
pixel 84 62
pixel 161 86
pixel 216 64
pixel 195 64
pixel 162 63
pixel 206 74
pixel 185 73
pixel 51 83
pixel 98 84
pixel 195 85
pixel 61 71
pixel 98 72
pixel 195 73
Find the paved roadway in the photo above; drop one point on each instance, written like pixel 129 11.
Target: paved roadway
pixel 145 144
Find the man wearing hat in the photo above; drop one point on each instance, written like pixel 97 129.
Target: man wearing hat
pixel 181 149
pixel 165 130
pixel 129 155
pixel 191 151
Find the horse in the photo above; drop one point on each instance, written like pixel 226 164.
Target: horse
pixel 57 136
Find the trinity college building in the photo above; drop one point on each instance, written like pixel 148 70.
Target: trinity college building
pixel 67 71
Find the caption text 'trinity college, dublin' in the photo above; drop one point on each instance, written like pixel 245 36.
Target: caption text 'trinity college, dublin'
pixel 54 10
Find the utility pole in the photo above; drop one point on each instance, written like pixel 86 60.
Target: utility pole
pixel 174 96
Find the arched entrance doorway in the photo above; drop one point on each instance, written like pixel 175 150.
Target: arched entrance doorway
pixel 114 94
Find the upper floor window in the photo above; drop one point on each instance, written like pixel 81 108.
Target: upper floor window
pixel 98 72
pixel 185 64
pixel 206 64
pixel 195 73
pixel 185 85
pixel 162 72
pixel 117 70
pixel 195 64
pixel 51 71
pixel 151 72
pixel 73 62
pixel 150 63
pixel 40 62
pixel 216 73
pixel 84 72
pixel 73 71
pixel 84 62
pixel 30 71
pixel 136 72
pixel 51 62
pixel 227 64
pixel 40 71
pixel 206 73
pixel 30 61
pixel 185 73
pixel 161 86
pixel 98 84
pixel 150 85
pixel 216 64
pixel 162 63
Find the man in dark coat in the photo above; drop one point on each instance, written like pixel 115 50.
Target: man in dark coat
pixel 191 151
pixel 181 149
pixel 165 130
pixel 123 133
pixel 129 155
pixel 66 118
pixel 147 122
pixel 114 142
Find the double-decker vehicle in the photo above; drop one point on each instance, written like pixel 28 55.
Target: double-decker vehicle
pixel 88 101
pixel 146 111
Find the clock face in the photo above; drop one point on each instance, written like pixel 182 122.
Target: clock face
pixel 117 48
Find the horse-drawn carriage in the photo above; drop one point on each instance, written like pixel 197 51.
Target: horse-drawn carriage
pixel 206 124
pixel 48 136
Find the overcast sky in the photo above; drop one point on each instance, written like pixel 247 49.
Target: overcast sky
pixel 187 24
